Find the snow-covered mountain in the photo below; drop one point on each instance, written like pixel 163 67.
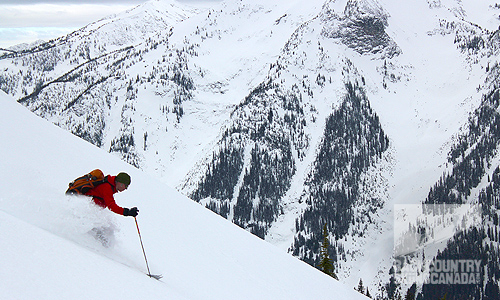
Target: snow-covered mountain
pixel 48 253
pixel 283 116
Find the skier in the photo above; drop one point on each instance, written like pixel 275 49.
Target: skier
pixel 103 194
pixel 102 189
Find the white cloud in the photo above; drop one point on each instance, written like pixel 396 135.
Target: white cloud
pixel 55 15
pixel 28 23
pixel 14 36
pixel 33 20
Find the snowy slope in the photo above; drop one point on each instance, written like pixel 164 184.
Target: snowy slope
pixel 48 254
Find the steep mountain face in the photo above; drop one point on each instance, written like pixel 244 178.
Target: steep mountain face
pixel 133 85
pixel 273 135
pixel 82 81
pixel 48 61
pixel 360 27
pixel 300 146
pixel 286 116
pixel 352 142
pixel 472 178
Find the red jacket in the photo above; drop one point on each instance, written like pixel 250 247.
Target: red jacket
pixel 103 195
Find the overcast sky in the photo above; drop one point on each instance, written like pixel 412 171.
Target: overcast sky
pixel 29 20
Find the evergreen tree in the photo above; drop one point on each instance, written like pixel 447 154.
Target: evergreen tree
pixel 392 286
pixel 410 294
pixel 326 264
pixel 361 288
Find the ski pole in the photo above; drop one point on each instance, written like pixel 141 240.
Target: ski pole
pixel 144 252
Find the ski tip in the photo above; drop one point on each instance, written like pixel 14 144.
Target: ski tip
pixel 157 277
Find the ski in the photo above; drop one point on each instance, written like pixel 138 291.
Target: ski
pixel 157 277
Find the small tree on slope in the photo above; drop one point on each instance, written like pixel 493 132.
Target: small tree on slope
pixel 326 264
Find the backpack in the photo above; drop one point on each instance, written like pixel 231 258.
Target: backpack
pixel 83 184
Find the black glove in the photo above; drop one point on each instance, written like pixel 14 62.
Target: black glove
pixel 132 212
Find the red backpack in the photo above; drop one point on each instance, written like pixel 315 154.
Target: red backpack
pixel 83 184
